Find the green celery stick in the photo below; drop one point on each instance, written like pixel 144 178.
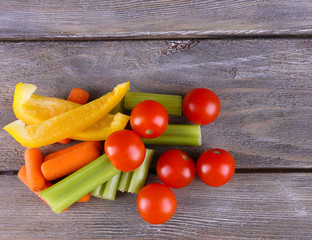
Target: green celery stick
pixel 67 191
pixel 139 175
pixel 125 181
pixel 98 192
pixel 110 188
pixel 172 103
pixel 178 134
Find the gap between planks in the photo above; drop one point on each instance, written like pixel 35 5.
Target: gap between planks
pixel 237 171
pixel 156 38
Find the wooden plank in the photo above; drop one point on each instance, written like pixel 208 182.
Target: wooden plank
pixel 251 206
pixel 76 19
pixel 264 85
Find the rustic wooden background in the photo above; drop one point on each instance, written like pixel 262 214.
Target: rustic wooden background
pixel 256 55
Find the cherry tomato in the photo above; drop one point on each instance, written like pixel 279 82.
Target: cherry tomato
pixel 215 167
pixel 175 168
pixel 149 119
pixel 156 203
pixel 125 150
pixel 201 106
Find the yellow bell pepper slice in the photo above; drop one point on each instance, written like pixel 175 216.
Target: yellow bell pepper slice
pixel 33 109
pixel 66 124
pixel 103 128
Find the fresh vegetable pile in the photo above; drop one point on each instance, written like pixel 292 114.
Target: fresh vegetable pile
pixel 83 170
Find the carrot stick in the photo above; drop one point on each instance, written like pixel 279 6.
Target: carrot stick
pixel 76 95
pixel 69 162
pixel 23 177
pixel 33 161
pixel 85 198
pixel 97 144
pixel 65 141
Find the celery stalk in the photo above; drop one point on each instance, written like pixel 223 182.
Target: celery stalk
pixel 172 103
pixel 67 191
pixel 98 192
pixel 124 181
pixel 139 175
pixel 110 188
pixel 178 134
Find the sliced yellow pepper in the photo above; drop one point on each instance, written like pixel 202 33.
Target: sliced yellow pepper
pixel 103 128
pixel 33 109
pixel 66 124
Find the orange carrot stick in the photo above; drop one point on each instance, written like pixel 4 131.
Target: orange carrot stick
pixel 76 95
pixel 23 177
pixel 33 161
pixel 97 144
pixel 69 162
pixel 85 198
pixel 65 141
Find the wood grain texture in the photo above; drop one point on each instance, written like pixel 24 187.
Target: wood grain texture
pixel 250 206
pixel 264 86
pixel 74 19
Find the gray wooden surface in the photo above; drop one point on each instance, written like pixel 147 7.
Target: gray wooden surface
pixel 264 84
pixel 265 89
pixel 74 19
pixel 251 206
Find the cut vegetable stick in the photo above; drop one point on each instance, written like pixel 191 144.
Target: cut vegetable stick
pixel 98 192
pixel 67 191
pixel 97 144
pixel 139 175
pixel 65 141
pixel 66 124
pixel 178 134
pixel 119 108
pixel 110 189
pixel 33 161
pixel 69 162
pixel 172 103
pixel 102 129
pixel 124 181
pixel 76 95
pixel 23 177
pixel 85 198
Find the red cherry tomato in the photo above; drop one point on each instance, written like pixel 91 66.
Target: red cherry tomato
pixel 201 106
pixel 215 167
pixel 175 168
pixel 149 119
pixel 125 150
pixel 156 203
